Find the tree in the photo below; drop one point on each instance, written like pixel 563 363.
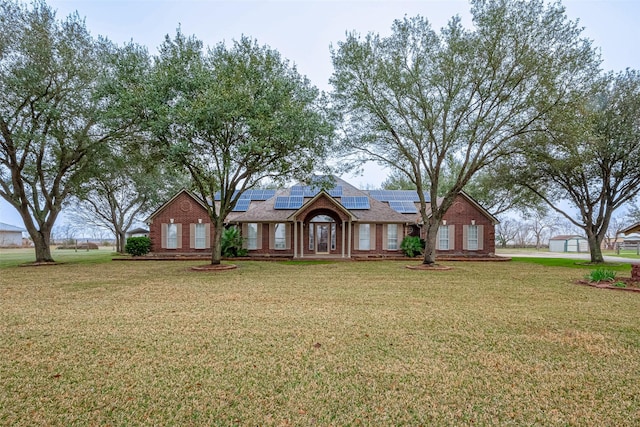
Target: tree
pixel 616 225
pixel 506 231
pixel 50 112
pixel 541 225
pixel 123 190
pixel 589 156
pixel 416 99
pixel 233 117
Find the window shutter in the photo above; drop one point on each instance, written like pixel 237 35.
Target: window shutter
pixel 192 236
pixel 245 235
pixel 385 237
pixel 207 236
pixel 372 236
pixel 452 237
pixel 259 245
pixel 465 237
pixel 356 237
pixel 480 237
pixel 163 235
pixel 179 229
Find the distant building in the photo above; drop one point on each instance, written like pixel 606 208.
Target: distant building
pixel 568 243
pixel 138 232
pixel 10 235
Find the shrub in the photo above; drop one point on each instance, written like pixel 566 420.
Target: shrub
pixel 138 246
pixel 232 243
pixel 412 246
pixel 601 275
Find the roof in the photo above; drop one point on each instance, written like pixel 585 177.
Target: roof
pixel 9 227
pixel 276 209
pixel 567 237
pixel 635 228
pixel 284 204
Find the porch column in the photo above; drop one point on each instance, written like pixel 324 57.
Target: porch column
pixel 301 239
pixel 349 242
pixel 295 239
pixel 344 229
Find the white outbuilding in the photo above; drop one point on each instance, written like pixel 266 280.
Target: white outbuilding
pixel 568 243
pixel 10 235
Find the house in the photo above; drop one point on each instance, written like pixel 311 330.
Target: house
pixel 138 232
pixel 10 235
pixel 568 243
pixel 305 221
pixel 635 228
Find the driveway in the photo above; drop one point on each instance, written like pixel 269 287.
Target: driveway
pixel 585 256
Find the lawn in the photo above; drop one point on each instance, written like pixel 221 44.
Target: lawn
pixel 345 343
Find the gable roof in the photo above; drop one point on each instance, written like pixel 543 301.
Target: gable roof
pixel 168 202
pixel 635 228
pixel 283 205
pixel 9 227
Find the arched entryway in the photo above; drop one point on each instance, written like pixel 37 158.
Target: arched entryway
pixel 322 237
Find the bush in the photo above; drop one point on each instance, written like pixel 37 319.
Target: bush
pixel 412 246
pixel 138 246
pixel 601 275
pixel 232 243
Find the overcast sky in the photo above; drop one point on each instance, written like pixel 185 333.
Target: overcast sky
pixel 303 31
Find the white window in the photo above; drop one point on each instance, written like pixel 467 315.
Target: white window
pixel 472 237
pixel 200 241
pixel 364 237
pixel 392 237
pixel 280 236
pixel 172 236
pixel 443 241
pixel 252 236
pixel 311 239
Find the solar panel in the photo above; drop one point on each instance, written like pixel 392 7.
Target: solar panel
pixel 295 202
pixel 292 202
pixel 336 191
pixel 297 190
pixel 355 202
pixel 241 205
pixel 216 196
pixel 400 195
pixel 403 206
pixel 258 194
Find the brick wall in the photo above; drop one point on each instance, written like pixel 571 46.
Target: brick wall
pixel 183 210
pixel 462 213
pixel 635 272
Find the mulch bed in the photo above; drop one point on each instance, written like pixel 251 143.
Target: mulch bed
pixel 214 267
pixel 429 267
pixel 630 284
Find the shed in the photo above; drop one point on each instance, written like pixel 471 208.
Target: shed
pixel 568 243
pixel 10 235
pixel 138 232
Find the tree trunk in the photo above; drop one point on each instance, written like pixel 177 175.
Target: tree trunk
pixel 594 248
pixel 41 242
pixel 431 241
pixel 216 245
pixel 121 240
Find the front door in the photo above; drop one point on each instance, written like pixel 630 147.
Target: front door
pixel 323 237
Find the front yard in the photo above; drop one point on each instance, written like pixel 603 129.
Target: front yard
pixel 151 343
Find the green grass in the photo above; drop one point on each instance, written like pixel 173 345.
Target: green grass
pixel 373 343
pixel 15 257
pixel 571 263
